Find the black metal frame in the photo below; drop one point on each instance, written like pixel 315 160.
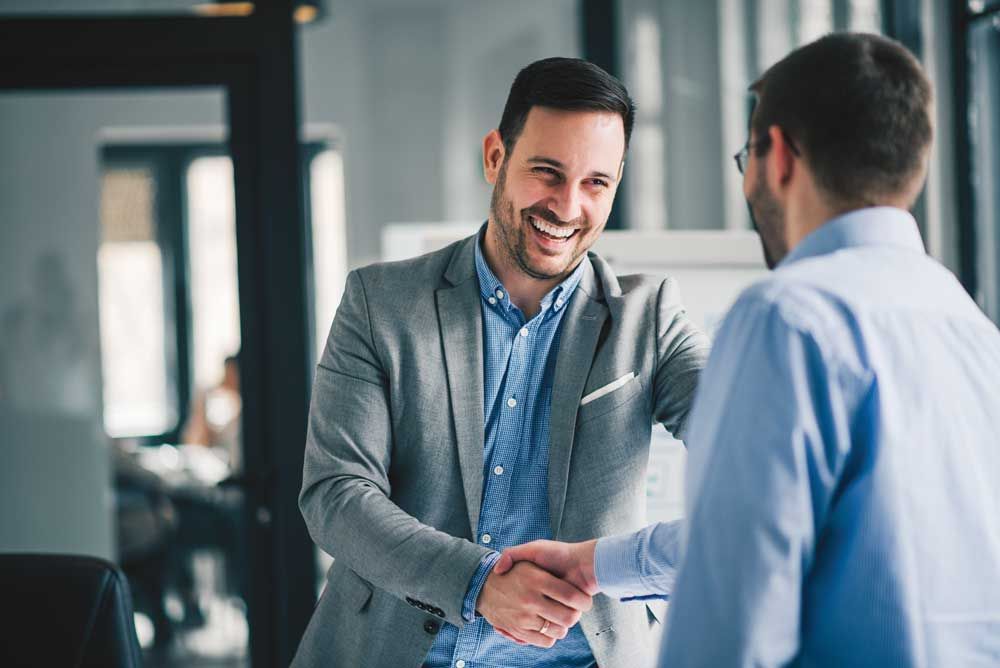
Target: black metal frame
pixel 901 20
pixel 599 37
pixel 968 262
pixel 167 164
pixel 253 60
pixel 962 20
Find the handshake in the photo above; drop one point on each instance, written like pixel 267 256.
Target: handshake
pixel 536 592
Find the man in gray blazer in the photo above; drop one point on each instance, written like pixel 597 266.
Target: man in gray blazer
pixel 495 392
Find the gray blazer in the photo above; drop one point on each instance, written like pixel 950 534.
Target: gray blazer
pixel 393 473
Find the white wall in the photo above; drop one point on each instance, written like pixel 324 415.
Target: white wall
pixel 55 472
pixel 495 41
pixel 413 86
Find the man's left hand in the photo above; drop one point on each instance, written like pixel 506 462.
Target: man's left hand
pixel 573 562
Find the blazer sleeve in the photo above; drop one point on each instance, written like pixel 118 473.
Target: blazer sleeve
pixel 345 496
pixel 682 353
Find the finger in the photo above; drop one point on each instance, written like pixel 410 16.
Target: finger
pixel 555 612
pixel 512 555
pixel 555 631
pixel 565 593
pixel 504 563
pixel 533 637
pixel 509 636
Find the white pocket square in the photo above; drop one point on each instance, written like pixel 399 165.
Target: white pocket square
pixel 607 389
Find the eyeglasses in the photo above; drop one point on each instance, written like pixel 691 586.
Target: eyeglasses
pixel 743 156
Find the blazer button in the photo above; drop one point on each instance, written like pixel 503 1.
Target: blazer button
pixel 431 627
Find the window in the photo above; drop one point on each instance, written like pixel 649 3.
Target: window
pixel 133 321
pixel 169 299
pixel 211 250
pixel 688 66
pixel 329 237
pixel 984 135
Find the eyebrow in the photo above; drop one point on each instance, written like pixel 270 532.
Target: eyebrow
pixel 552 162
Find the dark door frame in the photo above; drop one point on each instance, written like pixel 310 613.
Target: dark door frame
pixel 601 46
pixel 253 60
pixel 963 19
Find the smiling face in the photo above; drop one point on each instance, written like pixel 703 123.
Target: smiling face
pixel 553 193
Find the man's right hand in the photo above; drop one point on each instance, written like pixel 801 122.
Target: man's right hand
pixel 574 562
pixel 520 602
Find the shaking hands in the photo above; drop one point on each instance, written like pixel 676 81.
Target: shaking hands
pixel 537 591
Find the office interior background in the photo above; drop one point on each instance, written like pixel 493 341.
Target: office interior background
pixel 185 184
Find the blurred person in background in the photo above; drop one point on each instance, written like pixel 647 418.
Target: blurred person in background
pixel 214 420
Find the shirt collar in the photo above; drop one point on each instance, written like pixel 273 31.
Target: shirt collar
pixel 874 226
pixel 493 291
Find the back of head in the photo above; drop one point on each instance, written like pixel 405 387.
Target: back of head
pixel 566 84
pixel 858 107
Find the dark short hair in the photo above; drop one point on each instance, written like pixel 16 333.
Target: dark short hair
pixel 857 106
pixel 568 84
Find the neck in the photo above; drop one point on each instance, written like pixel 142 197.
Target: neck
pixel 807 213
pixel 526 292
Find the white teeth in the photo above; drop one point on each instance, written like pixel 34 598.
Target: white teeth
pixel 551 229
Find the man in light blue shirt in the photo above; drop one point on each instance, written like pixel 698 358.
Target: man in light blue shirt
pixel 844 450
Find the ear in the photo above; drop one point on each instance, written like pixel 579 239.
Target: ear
pixel 783 161
pixel 493 156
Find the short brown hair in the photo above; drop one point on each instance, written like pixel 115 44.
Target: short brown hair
pixel 857 106
pixel 568 84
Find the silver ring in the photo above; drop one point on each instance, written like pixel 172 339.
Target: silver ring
pixel 545 626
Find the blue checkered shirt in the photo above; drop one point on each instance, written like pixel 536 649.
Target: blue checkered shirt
pixel 519 360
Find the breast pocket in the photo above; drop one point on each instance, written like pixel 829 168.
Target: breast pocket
pixel 609 396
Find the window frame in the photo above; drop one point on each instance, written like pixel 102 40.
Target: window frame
pixel 169 163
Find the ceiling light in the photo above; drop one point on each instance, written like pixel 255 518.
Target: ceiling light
pixel 303 11
pixel 223 8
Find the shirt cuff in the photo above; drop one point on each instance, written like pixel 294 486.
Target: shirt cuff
pixel 615 565
pixel 617 568
pixel 640 565
pixel 476 585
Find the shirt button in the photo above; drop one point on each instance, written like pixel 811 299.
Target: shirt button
pixel 492 300
pixel 499 294
pixel 512 402
pixel 559 302
pixel 460 664
pixel 524 331
pixel 498 470
pixel 487 539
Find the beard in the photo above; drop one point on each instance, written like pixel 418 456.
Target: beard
pixel 513 235
pixel 768 220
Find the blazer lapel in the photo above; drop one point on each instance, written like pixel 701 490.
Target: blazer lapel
pixel 581 329
pixel 460 318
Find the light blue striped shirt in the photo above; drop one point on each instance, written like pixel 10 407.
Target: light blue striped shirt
pixel 519 360
pixel 843 472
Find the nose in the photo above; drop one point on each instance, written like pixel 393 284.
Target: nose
pixel 566 202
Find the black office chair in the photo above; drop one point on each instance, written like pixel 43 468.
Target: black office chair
pixel 64 610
